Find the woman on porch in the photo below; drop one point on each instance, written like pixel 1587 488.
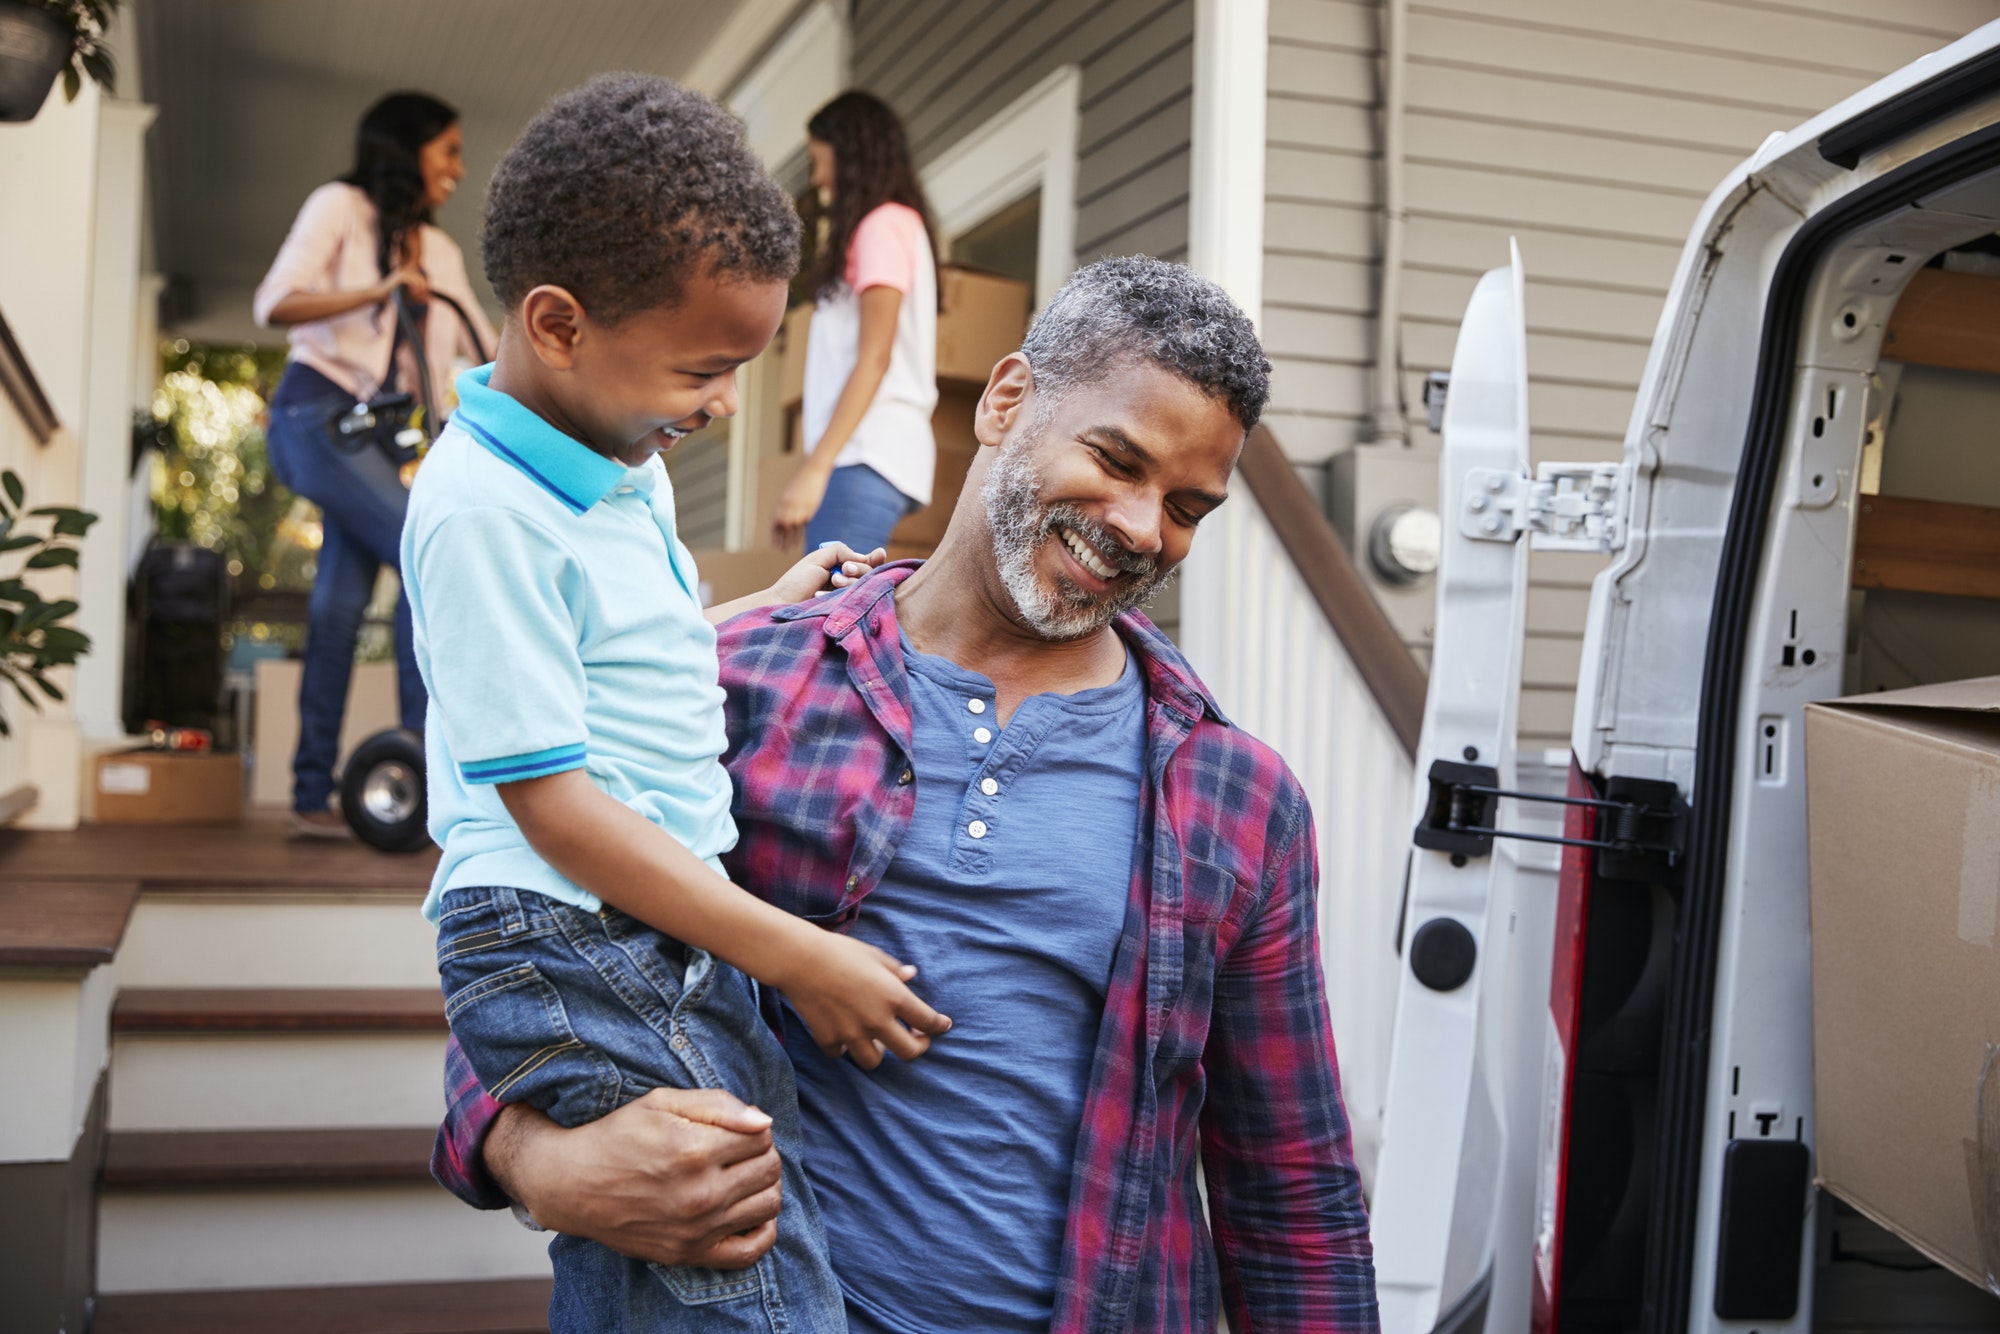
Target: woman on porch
pixel 356 241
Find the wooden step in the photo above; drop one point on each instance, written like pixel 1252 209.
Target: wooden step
pixel 492 1306
pixel 278 1010
pixel 185 1159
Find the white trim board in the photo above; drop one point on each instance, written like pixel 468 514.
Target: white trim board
pixel 803 70
pixel 1028 146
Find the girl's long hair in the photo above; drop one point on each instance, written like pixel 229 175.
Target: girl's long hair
pixel 387 165
pixel 871 167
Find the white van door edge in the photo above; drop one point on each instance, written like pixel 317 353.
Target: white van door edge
pixel 1443 1131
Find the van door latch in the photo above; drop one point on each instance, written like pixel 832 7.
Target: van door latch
pixel 1639 828
pixel 1565 506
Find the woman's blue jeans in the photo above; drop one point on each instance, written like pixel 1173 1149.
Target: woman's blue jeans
pixel 361 503
pixel 861 508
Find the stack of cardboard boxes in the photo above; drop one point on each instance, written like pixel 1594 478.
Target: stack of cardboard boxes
pixel 981 319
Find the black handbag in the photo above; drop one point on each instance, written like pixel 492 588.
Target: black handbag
pixel 399 423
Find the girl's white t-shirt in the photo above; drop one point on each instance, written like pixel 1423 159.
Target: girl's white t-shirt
pixel 889 249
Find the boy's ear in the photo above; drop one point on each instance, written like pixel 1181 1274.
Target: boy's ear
pixel 553 321
pixel 1009 392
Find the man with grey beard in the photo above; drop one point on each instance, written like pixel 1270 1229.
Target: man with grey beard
pixel 993 766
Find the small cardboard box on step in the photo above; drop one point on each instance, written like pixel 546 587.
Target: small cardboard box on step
pixel 1903 809
pixel 168 787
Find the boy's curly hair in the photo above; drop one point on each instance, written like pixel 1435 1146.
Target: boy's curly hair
pixel 624 189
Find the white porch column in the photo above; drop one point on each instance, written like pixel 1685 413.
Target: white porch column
pixel 1226 244
pixel 115 296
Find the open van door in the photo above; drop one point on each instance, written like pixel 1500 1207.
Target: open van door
pixel 1444 1132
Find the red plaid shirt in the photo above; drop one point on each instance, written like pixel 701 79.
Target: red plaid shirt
pixel 1214 1047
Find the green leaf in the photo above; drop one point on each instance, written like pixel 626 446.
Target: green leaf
pixel 51 557
pixel 98 65
pixel 46 614
pixel 69 522
pixel 11 480
pixel 22 691
pixel 72 85
pixel 17 543
pixel 49 688
pixel 13 590
pixel 62 639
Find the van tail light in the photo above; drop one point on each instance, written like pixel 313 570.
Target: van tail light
pixel 1559 1073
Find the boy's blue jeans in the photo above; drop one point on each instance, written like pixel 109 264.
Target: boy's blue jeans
pixel 578 1013
pixel 361 501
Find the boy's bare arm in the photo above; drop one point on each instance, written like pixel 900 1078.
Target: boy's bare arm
pixel 853 997
pixel 834 565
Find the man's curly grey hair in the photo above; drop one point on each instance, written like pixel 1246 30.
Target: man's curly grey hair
pixel 1135 308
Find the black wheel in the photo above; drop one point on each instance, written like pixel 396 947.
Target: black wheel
pixel 382 792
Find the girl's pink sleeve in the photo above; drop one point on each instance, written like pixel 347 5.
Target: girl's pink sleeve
pixel 887 247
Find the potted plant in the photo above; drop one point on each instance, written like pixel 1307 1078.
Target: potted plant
pixel 32 636
pixel 42 38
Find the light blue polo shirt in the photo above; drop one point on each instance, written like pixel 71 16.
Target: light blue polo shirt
pixel 557 627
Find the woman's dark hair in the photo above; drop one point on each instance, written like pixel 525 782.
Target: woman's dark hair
pixel 387 165
pixel 871 167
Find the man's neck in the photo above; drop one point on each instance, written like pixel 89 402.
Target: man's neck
pixel 956 607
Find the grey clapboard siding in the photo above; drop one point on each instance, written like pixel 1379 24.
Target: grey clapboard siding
pixel 1589 131
pixel 949 65
pixel 699 467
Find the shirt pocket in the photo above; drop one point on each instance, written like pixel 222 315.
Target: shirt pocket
pixel 1206 894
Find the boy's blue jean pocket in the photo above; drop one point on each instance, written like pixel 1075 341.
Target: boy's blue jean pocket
pixel 578 1013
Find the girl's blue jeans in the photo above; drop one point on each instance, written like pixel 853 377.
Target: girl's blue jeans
pixel 861 508
pixel 361 502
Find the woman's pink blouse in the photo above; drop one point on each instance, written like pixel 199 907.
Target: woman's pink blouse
pixel 331 248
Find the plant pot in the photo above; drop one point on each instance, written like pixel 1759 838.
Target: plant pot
pixel 33 49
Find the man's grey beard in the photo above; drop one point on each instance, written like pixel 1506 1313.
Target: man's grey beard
pixel 1021 525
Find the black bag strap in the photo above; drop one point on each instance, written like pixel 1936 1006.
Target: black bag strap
pixel 471 330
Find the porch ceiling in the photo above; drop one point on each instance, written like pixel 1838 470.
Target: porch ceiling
pixel 258 100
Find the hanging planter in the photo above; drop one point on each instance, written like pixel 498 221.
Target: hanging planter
pixel 40 39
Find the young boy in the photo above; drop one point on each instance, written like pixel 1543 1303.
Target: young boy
pixel 589 944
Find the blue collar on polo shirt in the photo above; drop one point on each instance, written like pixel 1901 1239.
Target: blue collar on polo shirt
pixel 567 469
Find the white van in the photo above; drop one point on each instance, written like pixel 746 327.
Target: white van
pixel 1600 1102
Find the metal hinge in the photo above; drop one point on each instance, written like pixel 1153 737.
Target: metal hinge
pixel 1566 506
pixel 1640 826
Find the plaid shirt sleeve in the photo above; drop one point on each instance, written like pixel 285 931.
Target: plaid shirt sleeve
pixel 457 1158
pixel 1291 1229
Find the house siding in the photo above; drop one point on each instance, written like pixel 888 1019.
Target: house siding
pixel 1592 133
pixel 949 65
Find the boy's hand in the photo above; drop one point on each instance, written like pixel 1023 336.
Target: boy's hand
pixel 856 1001
pixel 835 561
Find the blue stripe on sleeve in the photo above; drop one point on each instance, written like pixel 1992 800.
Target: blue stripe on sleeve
pixel 513 768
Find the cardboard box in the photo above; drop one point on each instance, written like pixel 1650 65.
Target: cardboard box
pixel 168 787
pixel 981 318
pixel 1903 798
pixel 372 705
pixel 951 425
pixel 728 575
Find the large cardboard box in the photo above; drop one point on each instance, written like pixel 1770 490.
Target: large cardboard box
pixel 1903 797
pixel 372 705
pixel 981 318
pixel 168 787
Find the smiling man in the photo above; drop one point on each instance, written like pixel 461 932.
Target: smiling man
pixel 993 766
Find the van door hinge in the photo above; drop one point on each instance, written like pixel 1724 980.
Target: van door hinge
pixel 1641 822
pixel 1566 506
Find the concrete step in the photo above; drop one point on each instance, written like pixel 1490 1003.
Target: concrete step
pixel 514 1306
pixel 194 1159
pixel 346 939
pixel 218 1237
pixel 276 1058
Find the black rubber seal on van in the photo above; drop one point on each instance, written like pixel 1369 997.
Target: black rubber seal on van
pixel 1691 988
pixel 1911 110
